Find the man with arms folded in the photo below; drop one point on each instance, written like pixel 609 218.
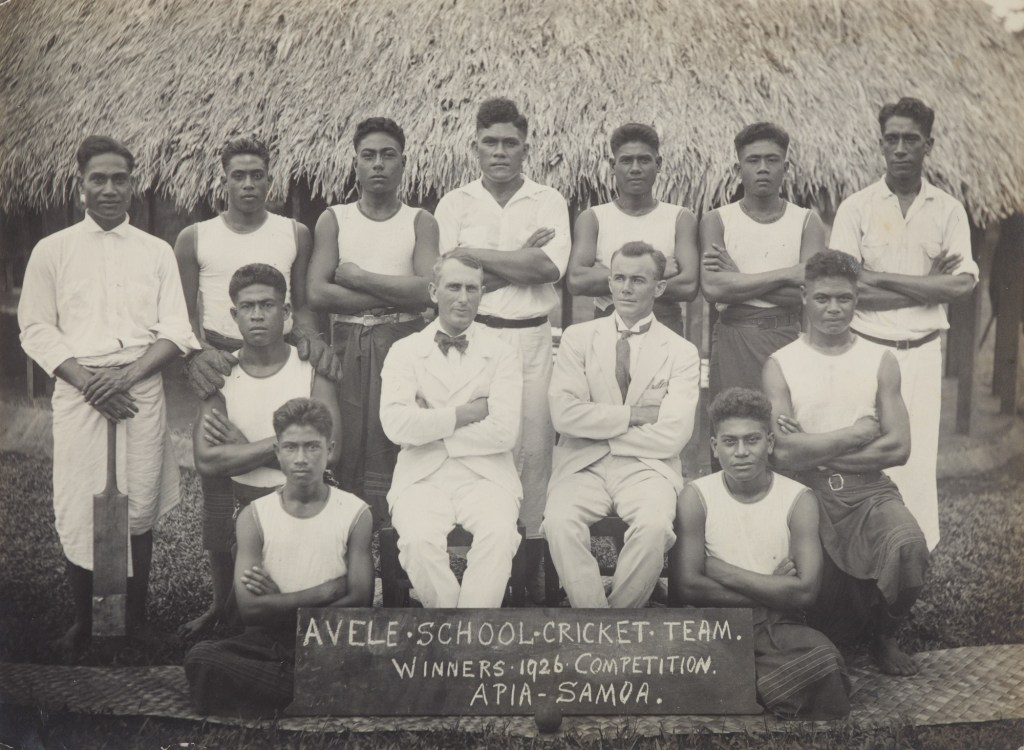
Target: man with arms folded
pixel 101 308
pixel 914 242
pixel 451 397
pixel 305 545
pixel 623 398
pixel 234 432
pixel 372 260
pixel 208 255
pixel 753 253
pixel 749 538
pixel 841 422
pixel 635 216
pixel 518 230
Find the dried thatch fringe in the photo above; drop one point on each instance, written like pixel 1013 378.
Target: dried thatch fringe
pixel 173 78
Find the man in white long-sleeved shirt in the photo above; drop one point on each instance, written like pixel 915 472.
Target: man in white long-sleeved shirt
pixel 102 309
pixel 451 397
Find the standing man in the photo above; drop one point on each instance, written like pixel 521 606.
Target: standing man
pixel 371 263
pixel 623 398
pixel 841 424
pixel 101 308
pixel 518 230
pixel 451 397
pixel 753 253
pixel 749 538
pixel 208 255
pixel 914 242
pixel 635 216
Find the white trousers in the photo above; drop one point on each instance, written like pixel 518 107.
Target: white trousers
pixel 536 443
pixel 423 515
pixel 921 386
pixel 643 498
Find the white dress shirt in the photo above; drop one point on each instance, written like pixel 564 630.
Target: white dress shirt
pixel 871 227
pixel 470 217
pixel 101 297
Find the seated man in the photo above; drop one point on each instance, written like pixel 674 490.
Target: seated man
pixel 305 545
pixel 451 397
pixel 749 538
pixel 233 434
pixel 841 418
pixel 623 398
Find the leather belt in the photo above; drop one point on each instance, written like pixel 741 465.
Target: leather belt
pixel 836 480
pixel 901 344
pixel 493 321
pixel 375 320
pixel 765 323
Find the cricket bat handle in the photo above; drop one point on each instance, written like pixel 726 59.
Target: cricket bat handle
pixel 111 459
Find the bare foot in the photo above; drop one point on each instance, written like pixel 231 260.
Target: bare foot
pixel 72 644
pixel 198 626
pixel 891 659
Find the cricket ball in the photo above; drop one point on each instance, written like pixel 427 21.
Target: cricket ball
pixel 548 717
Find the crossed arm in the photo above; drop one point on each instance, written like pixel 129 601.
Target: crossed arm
pixel 706 581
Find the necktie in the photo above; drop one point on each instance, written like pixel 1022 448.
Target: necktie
pixel 622 358
pixel 446 342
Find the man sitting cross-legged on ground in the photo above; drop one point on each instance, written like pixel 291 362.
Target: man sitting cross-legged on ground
pixel 305 545
pixel 749 538
pixel 841 421
pixel 233 435
pixel 451 397
pixel 623 398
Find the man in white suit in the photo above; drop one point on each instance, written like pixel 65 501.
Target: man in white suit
pixel 623 398
pixel 451 397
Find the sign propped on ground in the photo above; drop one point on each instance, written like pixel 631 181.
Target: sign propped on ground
pixel 419 662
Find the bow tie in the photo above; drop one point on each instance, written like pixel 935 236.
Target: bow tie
pixel 446 342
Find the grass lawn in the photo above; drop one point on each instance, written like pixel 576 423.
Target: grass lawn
pixel 973 598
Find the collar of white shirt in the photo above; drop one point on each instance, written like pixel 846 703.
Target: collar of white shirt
pixel 621 326
pixel 528 188
pixel 928 190
pixel 89 225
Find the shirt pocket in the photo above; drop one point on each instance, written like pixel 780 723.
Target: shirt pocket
pixel 874 253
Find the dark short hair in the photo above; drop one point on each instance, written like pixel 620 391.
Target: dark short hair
pixel 639 250
pixel 501 110
pixel 635 132
pixel 379 125
pixel 740 403
pixel 467 260
pixel 912 108
pixel 245 145
pixel 257 273
pixel 832 264
pixel 761 131
pixel 303 411
pixel 94 145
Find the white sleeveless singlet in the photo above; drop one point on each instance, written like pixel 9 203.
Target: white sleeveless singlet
pixel 757 247
pixel 220 252
pixel 300 553
pixel 384 247
pixel 831 392
pixel 251 403
pixel 752 536
pixel 616 228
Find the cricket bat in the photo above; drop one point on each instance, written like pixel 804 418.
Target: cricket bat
pixel 109 549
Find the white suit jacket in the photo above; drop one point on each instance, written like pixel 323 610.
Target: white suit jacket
pixel 419 394
pixel 587 407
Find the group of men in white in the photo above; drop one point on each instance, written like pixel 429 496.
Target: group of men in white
pixel 825 367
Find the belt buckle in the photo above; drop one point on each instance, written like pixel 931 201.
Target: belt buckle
pixel 842 482
pixel 903 345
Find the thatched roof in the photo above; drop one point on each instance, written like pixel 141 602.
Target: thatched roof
pixel 172 78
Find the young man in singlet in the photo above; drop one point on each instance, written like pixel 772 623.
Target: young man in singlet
pixel 372 260
pixel 748 537
pixel 208 253
pixel 841 422
pixel 753 252
pixel 635 216
pixel 233 435
pixel 305 545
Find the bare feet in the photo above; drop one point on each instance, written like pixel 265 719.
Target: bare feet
pixel 72 644
pixel 892 660
pixel 198 626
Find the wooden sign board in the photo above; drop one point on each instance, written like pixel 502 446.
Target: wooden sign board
pixel 448 662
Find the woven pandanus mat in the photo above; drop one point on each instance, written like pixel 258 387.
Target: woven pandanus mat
pixel 955 686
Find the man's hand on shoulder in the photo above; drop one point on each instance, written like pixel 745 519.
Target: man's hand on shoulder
pixel 641 415
pixel 311 348
pixel 475 411
pixel 206 370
